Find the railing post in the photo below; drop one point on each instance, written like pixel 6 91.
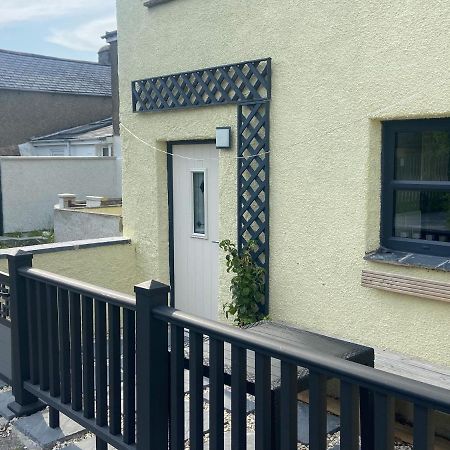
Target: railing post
pixel 25 403
pixel 152 368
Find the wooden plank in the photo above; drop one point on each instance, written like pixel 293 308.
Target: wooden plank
pixel 402 291
pixel 413 368
pixel 403 277
pixel 406 285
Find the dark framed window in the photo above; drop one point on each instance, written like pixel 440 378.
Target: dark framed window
pixel 415 208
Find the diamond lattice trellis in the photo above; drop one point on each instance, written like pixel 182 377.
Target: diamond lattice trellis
pixel 234 83
pixel 253 176
pixel 247 84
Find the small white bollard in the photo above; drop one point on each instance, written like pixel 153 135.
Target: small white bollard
pixel 66 199
pixel 93 201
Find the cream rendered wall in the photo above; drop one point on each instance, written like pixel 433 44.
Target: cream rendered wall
pixel 109 266
pixel 339 68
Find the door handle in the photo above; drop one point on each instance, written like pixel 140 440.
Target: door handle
pixel 215 242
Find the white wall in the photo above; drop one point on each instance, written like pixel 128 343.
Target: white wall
pixel 76 224
pixel 60 148
pixel 30 186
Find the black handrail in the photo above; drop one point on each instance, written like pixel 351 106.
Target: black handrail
pixel 80 287
pixel 374 379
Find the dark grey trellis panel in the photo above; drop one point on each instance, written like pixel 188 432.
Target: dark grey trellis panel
pixel 242 82
pixel 253 180
pixel 247 84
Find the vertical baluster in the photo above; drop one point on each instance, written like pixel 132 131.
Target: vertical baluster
pixel 64 344
pixel 367 419
pixel 129 376
pixel 32 298
pixel 238 398
pixel 423 428
pixel 263 416
pixel 88 356
pixel 349 416
pixel 53 357
pixel 288 406
pixel 384 422
pixel 75 354
pixel 216 401
pixel 101 381
pixel 42 330
pixel 176 388
pixel 317 411
pixel 195 390
pixel 114 369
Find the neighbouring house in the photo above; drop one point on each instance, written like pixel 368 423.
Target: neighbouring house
pixel 356 242
pixel 92 139
pixel 112 53
pixel 52 107
pixel 40 95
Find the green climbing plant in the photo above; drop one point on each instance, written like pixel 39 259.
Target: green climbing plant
pixel 247 284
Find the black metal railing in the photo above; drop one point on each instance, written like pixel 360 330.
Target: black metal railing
pixel 77 341
pixel 80 349
pixel 355 380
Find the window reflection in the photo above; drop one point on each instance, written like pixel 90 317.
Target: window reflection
pixel 422 156
pixel 422 215
pixel 198 183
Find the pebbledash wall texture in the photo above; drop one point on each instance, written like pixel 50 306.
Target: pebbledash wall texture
pixel 338 69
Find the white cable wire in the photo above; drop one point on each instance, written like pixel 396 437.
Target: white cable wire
pixel 181 156
pixel 372 115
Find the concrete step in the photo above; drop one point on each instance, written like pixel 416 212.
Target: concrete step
pixel 11 438
pixel 36 427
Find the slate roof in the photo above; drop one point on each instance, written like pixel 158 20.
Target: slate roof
pixel 29 72
pixel 94 130
pixel 10 150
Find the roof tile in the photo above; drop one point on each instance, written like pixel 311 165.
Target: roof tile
pixel 29 72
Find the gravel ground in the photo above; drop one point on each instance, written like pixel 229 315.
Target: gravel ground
pixel 73 441
pixel 332 440
pixel 6 431
pixel 5 388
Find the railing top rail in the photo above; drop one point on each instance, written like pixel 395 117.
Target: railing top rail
pixel 431 396
pixel 4 277
pixel 80 287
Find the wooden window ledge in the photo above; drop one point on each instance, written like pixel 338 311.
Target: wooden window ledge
pixel 435 290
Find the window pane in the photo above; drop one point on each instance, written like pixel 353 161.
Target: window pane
pixel 198 182
pixel 422 215
pixel 422 156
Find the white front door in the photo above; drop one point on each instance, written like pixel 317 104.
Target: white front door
pixel 195 228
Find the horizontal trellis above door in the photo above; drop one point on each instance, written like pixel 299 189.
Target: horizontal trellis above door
pixel 247 84
pixel 234 83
